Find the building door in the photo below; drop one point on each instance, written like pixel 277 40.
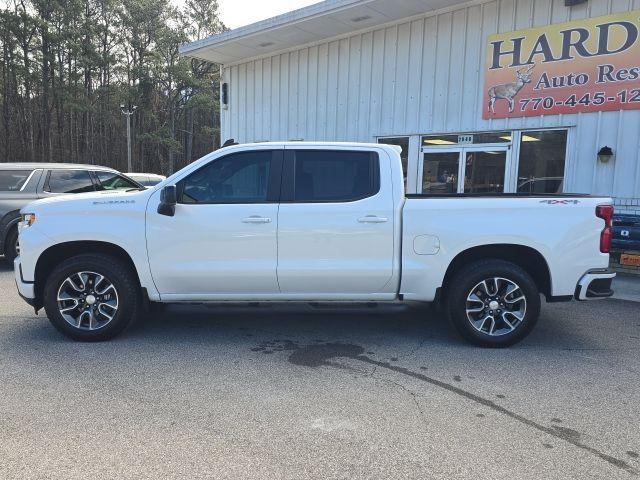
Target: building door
pixel 464 169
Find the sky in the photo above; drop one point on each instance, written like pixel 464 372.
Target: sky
pixel 236 13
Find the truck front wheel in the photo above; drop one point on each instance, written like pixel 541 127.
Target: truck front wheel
pixel 11 247
pixel 493 303
pixel 91 297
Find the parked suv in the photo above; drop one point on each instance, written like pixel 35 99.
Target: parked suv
pixel 21 183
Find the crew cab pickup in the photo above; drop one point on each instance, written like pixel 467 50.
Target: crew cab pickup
pixel 310 222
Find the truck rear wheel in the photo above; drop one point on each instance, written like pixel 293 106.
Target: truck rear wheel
pixel 493 303
pixel 91 297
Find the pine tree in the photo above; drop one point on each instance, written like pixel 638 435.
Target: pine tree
pixel 68 65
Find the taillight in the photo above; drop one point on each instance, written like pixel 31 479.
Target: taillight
pixel 605 212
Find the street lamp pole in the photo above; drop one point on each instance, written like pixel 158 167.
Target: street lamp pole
pixel 128 112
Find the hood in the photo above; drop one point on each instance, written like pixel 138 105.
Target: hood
pixel 113 197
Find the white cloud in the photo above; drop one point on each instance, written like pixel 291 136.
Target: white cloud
pixel 236 13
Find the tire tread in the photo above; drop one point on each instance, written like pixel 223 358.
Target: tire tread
pixel 129 291
pixel 460 285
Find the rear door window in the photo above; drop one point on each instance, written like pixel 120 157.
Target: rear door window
pixel 69 181
pixel 335 175
pixel 13 180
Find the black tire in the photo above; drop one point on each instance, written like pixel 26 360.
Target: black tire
pixel 11 245
pixel 120 275
pixel 463 284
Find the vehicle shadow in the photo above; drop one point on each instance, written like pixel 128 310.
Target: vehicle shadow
pixel 238 325
pixel 561 326
pixel 299 322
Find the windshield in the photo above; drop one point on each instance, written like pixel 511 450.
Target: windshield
pixel 13 180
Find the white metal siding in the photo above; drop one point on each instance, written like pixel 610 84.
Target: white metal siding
pixel 423 75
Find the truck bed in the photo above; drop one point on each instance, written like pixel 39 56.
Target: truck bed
pixel 502 195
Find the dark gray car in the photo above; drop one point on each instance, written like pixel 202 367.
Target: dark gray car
pixel 22 183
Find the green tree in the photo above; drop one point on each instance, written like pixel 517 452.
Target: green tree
pixel 68 65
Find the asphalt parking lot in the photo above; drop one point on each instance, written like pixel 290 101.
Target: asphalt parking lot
pixel 305 392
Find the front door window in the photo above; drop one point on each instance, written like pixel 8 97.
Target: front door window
pixel 69 181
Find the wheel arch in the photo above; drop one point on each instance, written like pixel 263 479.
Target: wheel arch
pixel 60 252
pixel 527 258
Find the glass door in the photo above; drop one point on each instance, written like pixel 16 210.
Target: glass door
pixel 464 169
pixel 440 170
pixel 484 169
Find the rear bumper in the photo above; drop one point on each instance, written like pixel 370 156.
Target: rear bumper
pixel 595 285
pixel 25 289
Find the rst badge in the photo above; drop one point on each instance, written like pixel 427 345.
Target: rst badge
pixel 561 202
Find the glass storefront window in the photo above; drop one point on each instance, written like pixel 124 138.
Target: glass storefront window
pixel 492 137
pixel 436 140
pixel 402 142
pixel 482 137
pixel 541 164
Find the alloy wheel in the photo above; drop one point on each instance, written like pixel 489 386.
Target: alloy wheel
pixel 87 300
pixel 496 306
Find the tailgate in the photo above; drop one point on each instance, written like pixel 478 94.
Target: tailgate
pixel 626 232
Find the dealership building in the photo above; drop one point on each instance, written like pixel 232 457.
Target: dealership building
pixel 482 96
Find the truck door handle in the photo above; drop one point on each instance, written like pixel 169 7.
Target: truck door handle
pixel 256 219
pixel 373 219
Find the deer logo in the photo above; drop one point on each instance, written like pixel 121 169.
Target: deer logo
pixel 508 91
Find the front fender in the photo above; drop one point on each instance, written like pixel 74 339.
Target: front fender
pixel 123 228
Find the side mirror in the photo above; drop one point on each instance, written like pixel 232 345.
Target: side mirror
pixel 168 201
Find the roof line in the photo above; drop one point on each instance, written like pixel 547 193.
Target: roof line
pixel 288 18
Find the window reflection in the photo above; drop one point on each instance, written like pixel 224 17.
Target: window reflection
pixel 484 172
pixel 440 172
pixel 402 142
pixel 541 165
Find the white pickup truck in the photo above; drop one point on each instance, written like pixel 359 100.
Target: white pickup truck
pixel 310 222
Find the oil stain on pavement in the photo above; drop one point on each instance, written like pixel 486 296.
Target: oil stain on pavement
pixel 327 354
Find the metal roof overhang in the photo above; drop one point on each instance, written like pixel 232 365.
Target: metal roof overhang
pixel 306 25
